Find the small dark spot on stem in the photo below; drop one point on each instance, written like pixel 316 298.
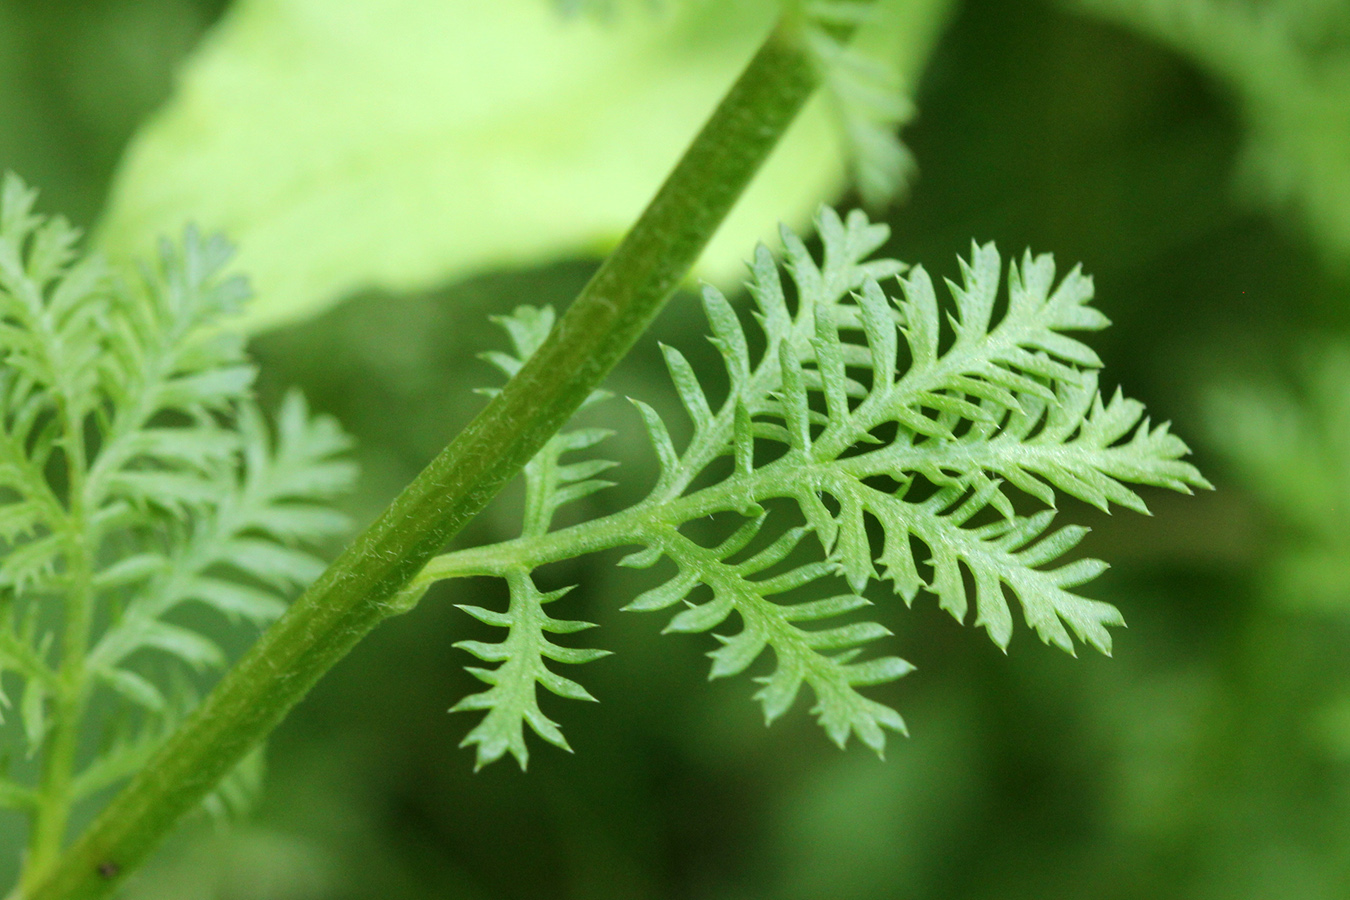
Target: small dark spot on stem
pixel 109 869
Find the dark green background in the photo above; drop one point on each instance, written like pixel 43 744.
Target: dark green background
pixel 1189 765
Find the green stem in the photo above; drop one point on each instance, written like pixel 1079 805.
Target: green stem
pixel 54 798
pixel 367 582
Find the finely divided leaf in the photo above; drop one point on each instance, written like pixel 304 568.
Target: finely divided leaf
pixel 924 440
pixel 137 475
pixel 822 658
pixel 987 408
pixel 510 701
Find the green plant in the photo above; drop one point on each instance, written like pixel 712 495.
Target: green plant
pixel 921 430
pixel 140 478
pixel 954 438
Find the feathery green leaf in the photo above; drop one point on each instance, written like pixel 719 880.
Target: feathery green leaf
pixel 137 474
pixel 930 440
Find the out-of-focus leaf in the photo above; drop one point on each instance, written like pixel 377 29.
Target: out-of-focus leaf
pixel 1333 728
pixel 353 144
pixel 1293 453
pixel 1287 63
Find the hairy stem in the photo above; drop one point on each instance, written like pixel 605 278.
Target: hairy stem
pixel 368 581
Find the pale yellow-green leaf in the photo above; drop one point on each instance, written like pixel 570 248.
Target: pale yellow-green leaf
pixel 347 145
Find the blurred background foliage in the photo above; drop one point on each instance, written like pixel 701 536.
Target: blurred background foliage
pixel 1195 156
